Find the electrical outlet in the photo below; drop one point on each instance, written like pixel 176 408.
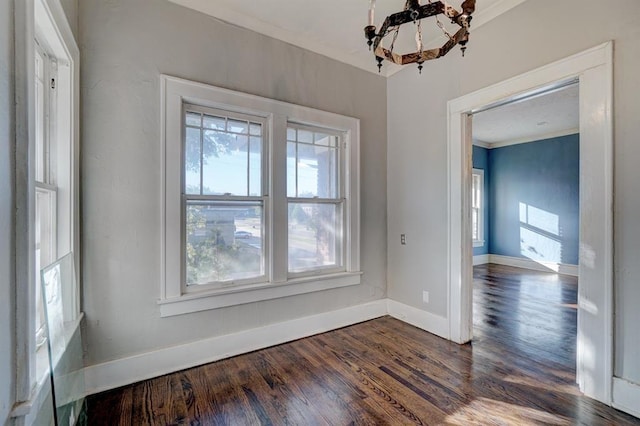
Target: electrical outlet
pixel 425 296
pixel 403 239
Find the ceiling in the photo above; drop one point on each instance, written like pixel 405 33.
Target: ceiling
pixel 335 28
pixel 543 116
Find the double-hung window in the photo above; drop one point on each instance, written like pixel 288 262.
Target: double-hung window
pixel 45 182
pixel 47 159
pixel 261 198
pixel 477 206
pixel 314 200
pixel 223 197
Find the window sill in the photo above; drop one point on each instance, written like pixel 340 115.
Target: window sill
pixel 220 298
pixel 479 243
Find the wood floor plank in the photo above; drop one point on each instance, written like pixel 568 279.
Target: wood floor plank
pixel 518 370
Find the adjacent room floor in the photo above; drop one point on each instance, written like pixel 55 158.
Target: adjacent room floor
pixel 520 369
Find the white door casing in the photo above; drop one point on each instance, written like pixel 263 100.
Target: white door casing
pixel 594 69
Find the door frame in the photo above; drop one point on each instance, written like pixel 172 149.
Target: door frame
pixel 594 70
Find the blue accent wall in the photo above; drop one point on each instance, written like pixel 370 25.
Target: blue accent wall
pixel 534 200
pixel 481 161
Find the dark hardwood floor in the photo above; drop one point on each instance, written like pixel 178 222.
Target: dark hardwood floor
pixel 520 369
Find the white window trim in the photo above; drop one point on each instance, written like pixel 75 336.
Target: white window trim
pixel 46 21
pixel 173 299
pixel 479 242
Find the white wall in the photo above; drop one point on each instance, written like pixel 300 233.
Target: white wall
pixel 528 36
pixel 7 297
pixel 125 45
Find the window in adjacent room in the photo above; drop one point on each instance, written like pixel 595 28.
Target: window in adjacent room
pixel 477 217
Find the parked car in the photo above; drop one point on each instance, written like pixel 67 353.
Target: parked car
pixel 243 234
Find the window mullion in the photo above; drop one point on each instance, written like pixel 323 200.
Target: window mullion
pixel 279 205
pixel 248 162
pixel 201 156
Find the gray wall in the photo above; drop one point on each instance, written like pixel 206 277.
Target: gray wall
pixel 71 11
pixel 125 45
pixel 543 177
pixel 7 296
pixel 532 34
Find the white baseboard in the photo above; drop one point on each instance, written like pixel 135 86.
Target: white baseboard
pixel 480 259
pixel 626 396
pixel 520 262
pixel 125 371
pixel 427 321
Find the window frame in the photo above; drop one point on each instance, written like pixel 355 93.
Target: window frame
pixel 480 240
pixel 174 300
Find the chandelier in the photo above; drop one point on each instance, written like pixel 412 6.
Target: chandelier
pixel 415 12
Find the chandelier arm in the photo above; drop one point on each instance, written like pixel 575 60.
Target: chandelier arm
pixel 383 32
pixel 461 35
pixel 381 52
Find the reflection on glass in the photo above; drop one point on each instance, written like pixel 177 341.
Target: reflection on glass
pixel 255 129
pixel 314 236
pixel 292 171
pixel 224 241
pixel 312 164
pixel 223 156
pixel 255 166
pixel 65 344
pixel 224 169
pixel 211 122
pixel 237 126
pixel 193 119
pixel 193 163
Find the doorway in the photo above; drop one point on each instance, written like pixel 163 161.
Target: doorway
pixel 525 231
pixel 593 70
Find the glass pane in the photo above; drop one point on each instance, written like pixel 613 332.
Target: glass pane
pixel 224 241
pixel 211 122
pixel 237 126
pixel 65 348
pixel 40 135
pixel 255 166
pixel 474 224
pixel 475 191
pixel 193 119
pixel 45 245
pixel 255 129
pixel 224 169
pixel 315 236
pixel 325 140
pixel 305 136
pixel 291 170
pixel 291 134
pixel 192 158
pixel 317 172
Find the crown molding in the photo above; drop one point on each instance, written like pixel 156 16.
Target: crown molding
pixel 536 138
